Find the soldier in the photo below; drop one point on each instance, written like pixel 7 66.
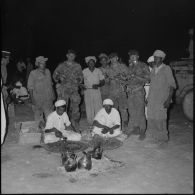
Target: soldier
pixel 104 60
pixel 68 76
pixel 117 74
pixel 41 90
pixel 3 118
pixel 4 62
pixel 139 74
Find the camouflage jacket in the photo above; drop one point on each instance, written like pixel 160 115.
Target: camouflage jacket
pixel 105 72
pixel 69 75
pixel 117 74
pixel 135 72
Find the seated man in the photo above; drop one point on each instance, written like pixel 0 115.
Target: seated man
pixel 19 92
pixel 107 122
pixel 58 125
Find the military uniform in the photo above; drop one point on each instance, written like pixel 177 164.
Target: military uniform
pixel 136 95
pixel 116 75
pixel 105 90
pixel 69 77
pixel 43 93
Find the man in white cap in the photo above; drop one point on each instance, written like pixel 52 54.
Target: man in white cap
pixel 68 76
pixel 159 98
pixel 58 125
pixel 104 61
pixel 41 89
pixel 93 80
pixel 107 122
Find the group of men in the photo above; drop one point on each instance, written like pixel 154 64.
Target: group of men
pixel 114 94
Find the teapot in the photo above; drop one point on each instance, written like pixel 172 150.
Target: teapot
pixel 69 161
pixel 97 153
pixel 85 161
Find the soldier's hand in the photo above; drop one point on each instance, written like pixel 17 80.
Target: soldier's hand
pixel 82 87
pixel 146 102
pixel 78 80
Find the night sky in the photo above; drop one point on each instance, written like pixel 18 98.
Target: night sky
pixel 49 28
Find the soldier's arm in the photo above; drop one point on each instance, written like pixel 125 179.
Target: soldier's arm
pixel 30 85
pixel 57 71
pixel 145 74
pixel 102 79
pixel 79 74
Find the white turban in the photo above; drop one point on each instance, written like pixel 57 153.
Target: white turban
pixel 150 59
pixel 108 102
pixel 18 84
pixel 40 59
pixel 87 59
pixel 60 103
pixel 159 53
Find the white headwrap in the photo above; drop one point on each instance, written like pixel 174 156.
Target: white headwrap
pixel 159 53
pixel 18 84
pixel 60 103
pixel 108 102
pixel 150 59
pixel 87 59
pixel 40 59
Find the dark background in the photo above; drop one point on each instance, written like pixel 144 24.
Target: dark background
pixel 50 27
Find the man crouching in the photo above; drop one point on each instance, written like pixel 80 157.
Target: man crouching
pixel 107 122
pixel 58 125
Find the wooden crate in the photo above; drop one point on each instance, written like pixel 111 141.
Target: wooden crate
pixel 30 126
pixel 29 133
pixel 30 138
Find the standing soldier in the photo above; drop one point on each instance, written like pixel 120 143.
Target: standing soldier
pixel 117 75
pixel 3 119
pixel 68 76
pixel 105 69
pixel 41 90
pixel 139 74
pixel 5 57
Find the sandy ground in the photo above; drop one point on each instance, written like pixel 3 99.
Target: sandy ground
pixel 165 169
